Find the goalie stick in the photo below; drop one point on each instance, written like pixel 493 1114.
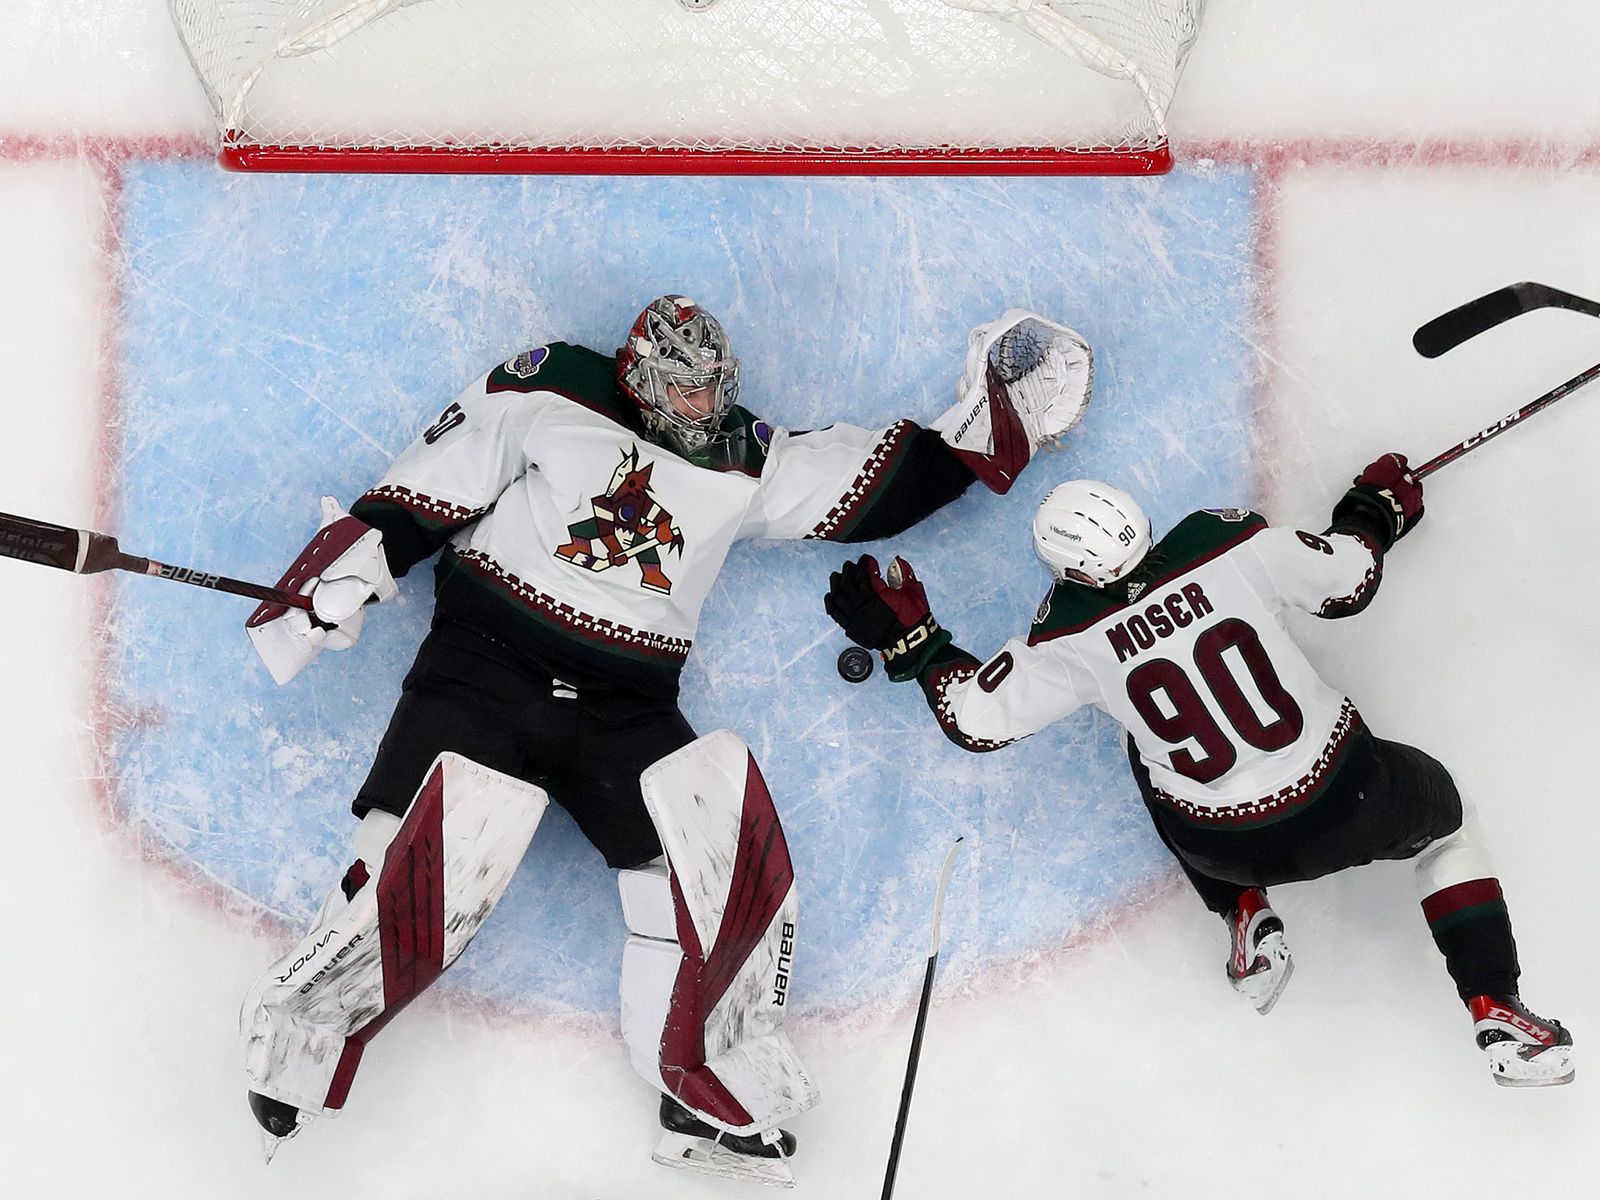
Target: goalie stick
pixel 87 553
pixel 922 1021
pixel 1444 333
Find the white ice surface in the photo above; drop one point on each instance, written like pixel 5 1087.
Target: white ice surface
pixel 1119 1067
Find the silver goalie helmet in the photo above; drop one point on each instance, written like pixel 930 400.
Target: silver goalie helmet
pixel 1090 533
pixel 676 367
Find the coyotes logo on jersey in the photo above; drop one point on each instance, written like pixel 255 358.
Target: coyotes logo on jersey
pixel 628 525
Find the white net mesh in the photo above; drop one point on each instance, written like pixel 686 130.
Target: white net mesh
pixel 764 75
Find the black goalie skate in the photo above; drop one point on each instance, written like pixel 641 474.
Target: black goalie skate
pixel 694 1145
pixel 279 1121
pixel 1524 1050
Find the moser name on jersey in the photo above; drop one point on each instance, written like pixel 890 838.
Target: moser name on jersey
pixel 1174 611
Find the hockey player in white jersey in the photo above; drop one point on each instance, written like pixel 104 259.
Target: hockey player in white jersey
pixel 1253 769
pixel 581 505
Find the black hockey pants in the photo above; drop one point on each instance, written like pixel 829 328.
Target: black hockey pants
pixel 1385 800
pixel 468 692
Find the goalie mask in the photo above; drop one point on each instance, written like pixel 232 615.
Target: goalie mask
pixel 1090 533
pixel 677 369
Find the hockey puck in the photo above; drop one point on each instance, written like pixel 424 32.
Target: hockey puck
pixel 855 664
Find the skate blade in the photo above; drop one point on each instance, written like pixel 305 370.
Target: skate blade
pixel 1262 988
pixel 269 1146
pixel 688 1153
pixel 1550 1067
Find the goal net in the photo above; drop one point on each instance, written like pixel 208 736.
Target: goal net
pixel 725 86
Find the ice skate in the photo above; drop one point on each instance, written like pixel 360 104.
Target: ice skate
pixel 279 1122
pixel 693 1145
pixel 1524 1050
pixel 1260 965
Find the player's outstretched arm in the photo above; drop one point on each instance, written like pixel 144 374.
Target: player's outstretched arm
pixel 1338 573
pixel 979 706
pixel 1026 382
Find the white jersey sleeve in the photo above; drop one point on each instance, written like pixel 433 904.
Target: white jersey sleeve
pixel 1333 575
pixel 461 464
pixel 1018 692
pixel 817 483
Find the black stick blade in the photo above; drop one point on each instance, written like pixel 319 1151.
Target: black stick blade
pixel 1444 333
pixel 41 542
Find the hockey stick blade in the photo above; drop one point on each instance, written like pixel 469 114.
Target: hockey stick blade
pixel 1444 333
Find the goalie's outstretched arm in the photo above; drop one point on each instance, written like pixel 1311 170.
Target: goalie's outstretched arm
pixel 1026 382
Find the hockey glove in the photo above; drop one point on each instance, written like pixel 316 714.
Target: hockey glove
pixel 1386 501
pixel 1026 382
pixel 342 568
pixel 889 616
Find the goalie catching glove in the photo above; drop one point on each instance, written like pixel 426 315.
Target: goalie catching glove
pixel 1026 382
pixel 342 568
pixel 890 615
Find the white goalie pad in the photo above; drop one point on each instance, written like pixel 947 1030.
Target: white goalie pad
pixel 307 1019
pixel 1027 381
pixel 703 1007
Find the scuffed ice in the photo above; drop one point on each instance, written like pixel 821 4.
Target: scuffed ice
pixel 285 336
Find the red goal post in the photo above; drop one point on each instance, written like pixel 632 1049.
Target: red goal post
pixel 691 86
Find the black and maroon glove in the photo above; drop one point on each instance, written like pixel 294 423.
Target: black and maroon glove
pixel 1385 502
pixel 887 615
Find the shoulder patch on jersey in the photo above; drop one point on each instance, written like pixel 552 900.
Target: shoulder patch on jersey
pixel 575 373
pixel 1233 515
pixel 526 365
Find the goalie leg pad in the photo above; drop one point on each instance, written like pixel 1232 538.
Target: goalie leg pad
pixel 703 1011
pixel 307 1019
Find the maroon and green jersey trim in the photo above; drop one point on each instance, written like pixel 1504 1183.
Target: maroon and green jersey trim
pixel 571 644
pixel 1281 804
pixel 1194 541
pixel 413 525
pixel 872 482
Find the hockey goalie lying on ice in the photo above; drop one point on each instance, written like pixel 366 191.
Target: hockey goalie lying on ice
pixel 581 505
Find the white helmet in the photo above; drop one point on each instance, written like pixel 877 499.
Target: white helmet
pixel 1090 533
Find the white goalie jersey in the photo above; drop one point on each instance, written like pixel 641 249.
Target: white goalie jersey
pixel 572 536
pixel 1191 655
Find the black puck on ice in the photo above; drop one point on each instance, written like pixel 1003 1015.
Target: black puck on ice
pixel 855 664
